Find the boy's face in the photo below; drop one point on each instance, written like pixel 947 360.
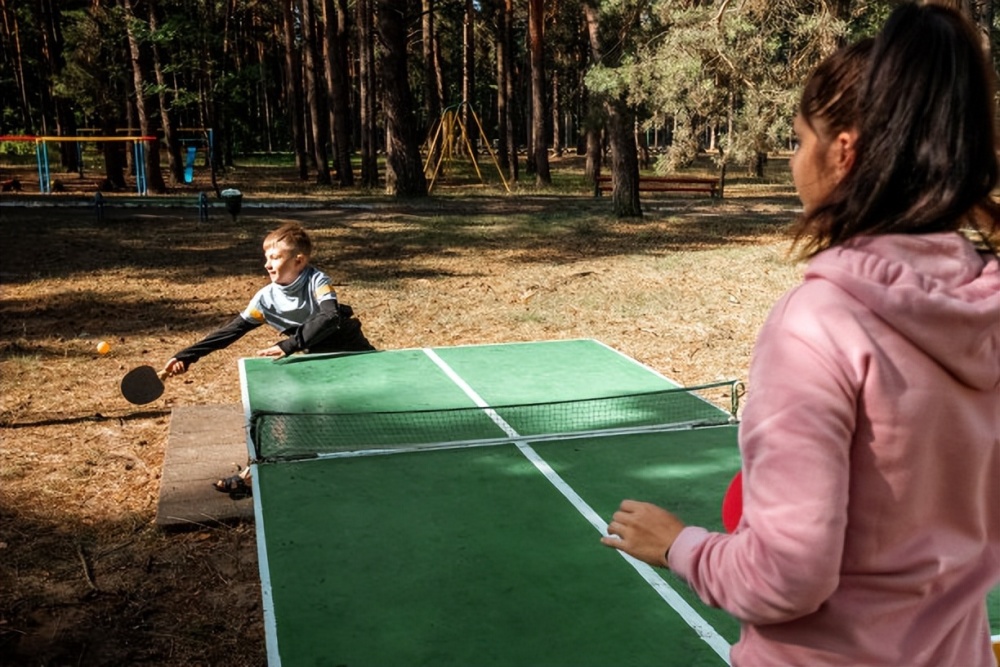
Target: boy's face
pixel 283 263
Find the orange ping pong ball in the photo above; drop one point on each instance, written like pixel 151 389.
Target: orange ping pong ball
pixel 103 347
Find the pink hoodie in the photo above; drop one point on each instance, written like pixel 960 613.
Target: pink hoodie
pixel 871 460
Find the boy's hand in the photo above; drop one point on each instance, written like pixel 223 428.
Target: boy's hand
pixel 175 367
pixel 273 351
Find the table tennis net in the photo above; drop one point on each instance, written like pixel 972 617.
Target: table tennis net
pixel 278 436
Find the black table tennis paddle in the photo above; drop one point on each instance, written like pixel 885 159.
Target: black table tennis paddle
pixel 142 385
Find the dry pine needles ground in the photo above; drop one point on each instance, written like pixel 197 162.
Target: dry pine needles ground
pixel 85 576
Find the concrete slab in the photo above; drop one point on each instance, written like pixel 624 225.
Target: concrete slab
pixel 205 442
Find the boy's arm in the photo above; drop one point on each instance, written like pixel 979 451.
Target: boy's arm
pixel 315 329
pixel 217 340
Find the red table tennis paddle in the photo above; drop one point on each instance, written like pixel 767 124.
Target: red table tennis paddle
pixel 732 503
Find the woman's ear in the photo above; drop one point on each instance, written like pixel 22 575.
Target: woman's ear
pixel 844 147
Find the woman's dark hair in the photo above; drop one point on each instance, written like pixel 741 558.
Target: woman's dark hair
pixel 831 91
pixel 926 150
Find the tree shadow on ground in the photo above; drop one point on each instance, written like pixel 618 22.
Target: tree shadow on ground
pixel 374 242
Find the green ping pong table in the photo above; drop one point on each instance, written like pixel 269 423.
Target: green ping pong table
pixel 448 553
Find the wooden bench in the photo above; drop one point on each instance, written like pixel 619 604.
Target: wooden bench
pixel 707 185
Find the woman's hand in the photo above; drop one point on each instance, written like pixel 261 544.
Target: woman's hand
pixel 643 531
pixel 273 351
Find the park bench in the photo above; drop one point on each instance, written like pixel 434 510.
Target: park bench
pixel 708 185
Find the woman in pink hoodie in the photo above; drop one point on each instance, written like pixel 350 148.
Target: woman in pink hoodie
pixel 871 436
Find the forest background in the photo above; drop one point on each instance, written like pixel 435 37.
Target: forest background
pixel 338 101
pixel 332 84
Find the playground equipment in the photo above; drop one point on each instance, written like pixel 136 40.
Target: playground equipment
pixel 191 139
pixel 450 136
pixel 42 155
pixel 202 207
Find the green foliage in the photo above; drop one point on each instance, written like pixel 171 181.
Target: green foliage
pixel 683 149
pixel 94 77
pixel 19 152
pixel 731 68
pixel 731 65
pixel 606 81
pixel 728 70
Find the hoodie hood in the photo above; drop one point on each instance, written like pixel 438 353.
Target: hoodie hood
pixel 936 290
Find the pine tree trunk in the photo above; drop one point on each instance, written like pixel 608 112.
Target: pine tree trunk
pixel 432 97
pixel 620 122
pixel 12 39
pixel 468 70
pixel 154 176
pixel 175 164
pixel 366 75
pixel 336 77
pixel 557 148
pixel 404 168
pixel 592 169
pixel 314 96
pixel 624 160
pixel 503 156
pixel 53 62
pixel 293 90
pixel 536 39
pixel 514 170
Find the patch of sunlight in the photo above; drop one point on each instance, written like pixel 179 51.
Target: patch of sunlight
pixel 674 470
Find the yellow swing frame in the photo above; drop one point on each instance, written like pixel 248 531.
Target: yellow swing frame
pixel 450 136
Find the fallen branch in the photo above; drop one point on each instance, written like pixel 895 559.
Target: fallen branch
pixel 87 572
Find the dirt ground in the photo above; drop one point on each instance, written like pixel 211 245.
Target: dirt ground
pixel 86 578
